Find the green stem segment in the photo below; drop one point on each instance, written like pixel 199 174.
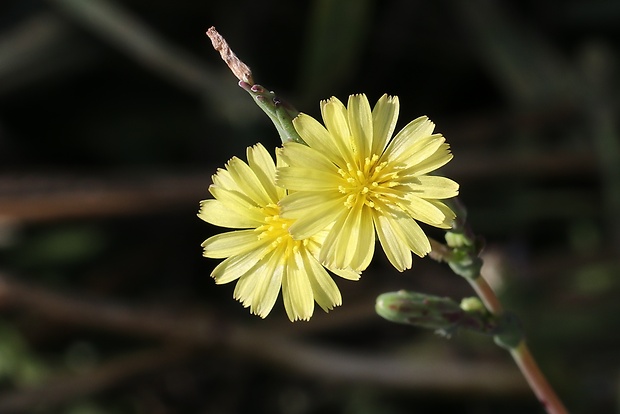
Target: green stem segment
pixel 279 111
pixel 521 353
pixel 537 381
pixel 462 254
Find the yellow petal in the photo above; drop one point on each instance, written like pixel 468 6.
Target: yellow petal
pixel 351 241
pixel 438 159
pixel 360 122
pixel 324 289
pixel 268 287
pixel 413 235
pixel 392 242
pixel 335 117
pixel 297 294
pixel 347 273
pixel 384 117
pixel 305 157
pixel 218 214
pixel 235 267
pixel 417 129
pixel 246 287
pixel 231 243
pixel 311 217
pixel 423 210
pixel 264 168
pixel 303 179
pixel 450 216
pixel 336 120
pixel 238 202
pixel 250 185
pixel 436 187
pixel 416 152
pixel 317 137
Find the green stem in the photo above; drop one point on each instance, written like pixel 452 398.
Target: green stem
pixel 521 354
pixel 537 381
pixel 486 294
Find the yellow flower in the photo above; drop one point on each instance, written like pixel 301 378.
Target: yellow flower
pixel 261 254
pixel 352 178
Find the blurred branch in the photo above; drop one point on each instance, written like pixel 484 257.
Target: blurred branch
pixel 268 346
pixel 38 47
pixel 128 34
pixel 55 196
pixel 133 37
pixel 66 387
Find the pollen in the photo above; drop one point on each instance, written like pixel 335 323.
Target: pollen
pixel 275 228
pixel 366 183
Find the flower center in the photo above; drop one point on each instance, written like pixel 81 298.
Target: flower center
pixel 275 230
pixel 368 184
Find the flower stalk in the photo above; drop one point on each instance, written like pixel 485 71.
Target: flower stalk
pixel 461 252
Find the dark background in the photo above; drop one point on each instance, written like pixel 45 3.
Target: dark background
pixel 113 116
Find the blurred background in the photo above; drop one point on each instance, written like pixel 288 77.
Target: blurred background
pixel 114 114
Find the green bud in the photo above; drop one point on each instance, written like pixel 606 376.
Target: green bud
pixel 456 239
pixel 445 316
pixel 425 311
pixel 472 304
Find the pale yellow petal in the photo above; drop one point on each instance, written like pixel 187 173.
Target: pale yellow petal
pixel 317 137
pixel 416 152
pixel 351 241
pixel 239 203
pixel 412 233
pixel 236 266
pixel 303 156
pixel 423 210
pixel 435 187
pixel 384 117
pixel 448 213
pixel 304 179
pixel 231 243
pixel 437 160
pixel 360 122
pixel 246 287
pixel 264 168
pixel 297 293
pixel 336 121
pixel 325 291
pixel 248 182
pixel 223 179
pixel 218 214
pixel 347 273
pixel 335 117
pixel 417 129
pixel 392 242
pixel 268 287
pixel 311 217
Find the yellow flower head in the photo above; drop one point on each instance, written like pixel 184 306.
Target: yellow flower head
pixel 353 179
pixel 261 254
